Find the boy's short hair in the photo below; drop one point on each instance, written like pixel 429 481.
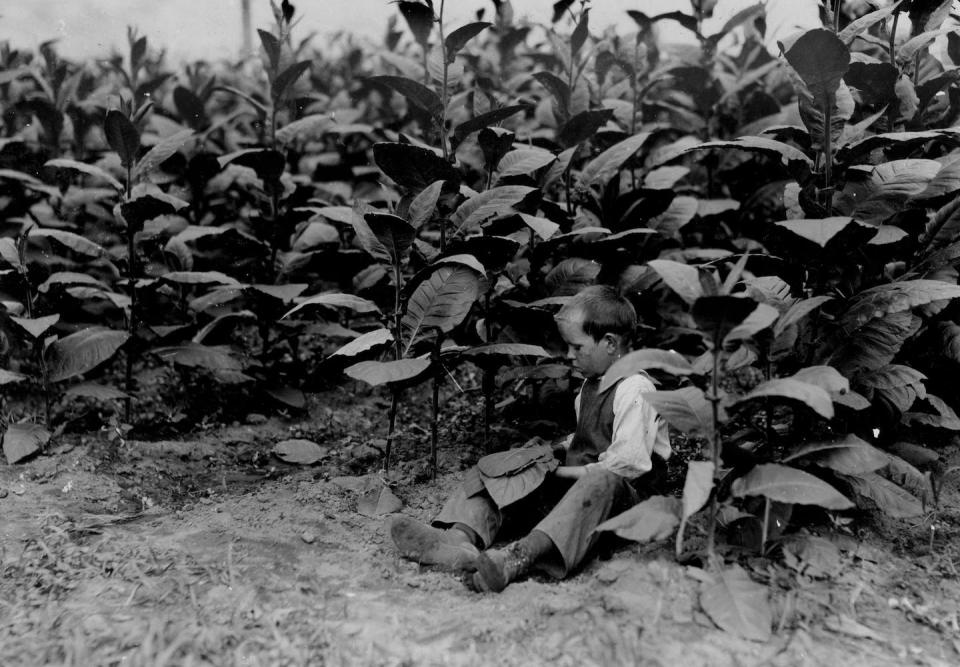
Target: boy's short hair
pixel 604 310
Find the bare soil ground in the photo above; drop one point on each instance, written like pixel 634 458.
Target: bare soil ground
pixel 207 551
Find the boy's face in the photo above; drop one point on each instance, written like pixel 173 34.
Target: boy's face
pixel 591 357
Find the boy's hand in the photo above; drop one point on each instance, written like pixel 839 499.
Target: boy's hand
pixel 570 472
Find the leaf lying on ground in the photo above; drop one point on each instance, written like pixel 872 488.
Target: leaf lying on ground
pixel 297 450
pixel 378 502
pixel 22 440
pixel 654 519
pixel 738 605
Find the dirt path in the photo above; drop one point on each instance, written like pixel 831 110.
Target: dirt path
pixel 281 569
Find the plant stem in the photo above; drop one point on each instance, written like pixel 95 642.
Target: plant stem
pixel 715 407
pixel 828 155
pixel 766 526
pixel 394 402
pixel 132 272
pixel 836 16
pixel 443 95
pixel 435 404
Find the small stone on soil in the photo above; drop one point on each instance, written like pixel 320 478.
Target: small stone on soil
pixel 256 419
pixel 3 493
pixel 308 537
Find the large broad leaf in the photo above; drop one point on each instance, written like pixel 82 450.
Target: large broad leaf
pixel 424 204
pixel 827 378
pixel 899 385
pixel 797 312
pixel 570 276
pixel 70 240
pixel 412 166
pixel 376 373
pixel 89 169
pixel 874 344
pixel 681 278
pixel 336 300
pixel 821 59
pixel 681 211
pixel 893 298
pixel 791 157
pixel 285 293
pixel 642 360
pixel 488 204
pixel 503 352
pixel 82 351
pixel 416 93
pixel 820 231
pixel 813 115
pixel 942 415
pixel 583 126
pixel 814 397
pixel 97 392
pixel 864 23
pixel 36 326
pixel 601 169
pixel 560 91
pixel 394 233
pixel 9 377
pixel 23 440
pixel 200 278
pixel 686 409
pixel 365 343
pixel 283 84
pixel 315 236
pixel 487 119
pixel 419 18
pixel 696 491
pixel 543 227
pixel 161 151
pixel 524 161
pixel 123 137
pixel 211 357
pixel 457 39
pixel 652 520
pixel 847 454
pixel 871 491
pixel 739 605
pixel 760 318
pixel 720 315
pixel 439 303
pixel 789 485
pixel 309 127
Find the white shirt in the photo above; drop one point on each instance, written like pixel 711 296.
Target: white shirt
pixel 638 431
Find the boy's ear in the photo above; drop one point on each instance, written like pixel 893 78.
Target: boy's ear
pixel 612 341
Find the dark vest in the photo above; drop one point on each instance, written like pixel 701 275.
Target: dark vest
pixel 595 425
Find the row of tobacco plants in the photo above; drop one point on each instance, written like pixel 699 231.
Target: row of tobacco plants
pixel 786 224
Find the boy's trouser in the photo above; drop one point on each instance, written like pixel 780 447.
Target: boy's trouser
pixel 567 511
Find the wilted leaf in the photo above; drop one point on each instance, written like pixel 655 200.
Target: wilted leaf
pixel 652 520
pixel 738 605
pixel 300 451
pixel 378 502
pixel 788 485
pixel 23 440
pixel 871 491
pixel 900 385
pixel 874 345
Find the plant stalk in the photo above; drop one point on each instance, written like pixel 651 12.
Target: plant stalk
pixel 715 408
pixel 435 405
pixel 392 417
pixel 766 526
pixel 828 155
pixel 132 273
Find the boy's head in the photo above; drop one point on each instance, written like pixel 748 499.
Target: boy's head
pixel 597 325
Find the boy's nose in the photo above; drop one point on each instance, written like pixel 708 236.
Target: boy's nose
pixel 571 354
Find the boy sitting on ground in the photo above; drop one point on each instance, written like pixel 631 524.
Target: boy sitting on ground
pixel 619 437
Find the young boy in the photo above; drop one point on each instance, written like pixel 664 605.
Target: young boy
pixel 618 438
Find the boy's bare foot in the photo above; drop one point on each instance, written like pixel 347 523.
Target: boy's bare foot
pixel 449 549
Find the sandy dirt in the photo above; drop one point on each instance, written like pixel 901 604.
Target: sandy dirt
pixel 207 551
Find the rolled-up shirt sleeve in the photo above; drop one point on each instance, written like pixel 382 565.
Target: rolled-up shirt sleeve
pixel 638 431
